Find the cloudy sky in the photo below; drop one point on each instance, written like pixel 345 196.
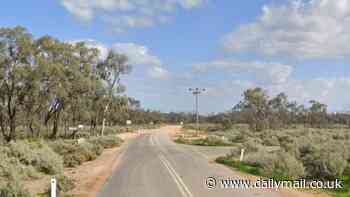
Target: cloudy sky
pixel 301 47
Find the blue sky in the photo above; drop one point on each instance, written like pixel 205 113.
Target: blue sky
pixel 296 46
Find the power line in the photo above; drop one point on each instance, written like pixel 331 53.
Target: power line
pixel 196 92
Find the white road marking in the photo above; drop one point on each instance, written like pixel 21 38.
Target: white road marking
pixel 180 183
pixel 182 191
pixel 151 140
pixel 156 140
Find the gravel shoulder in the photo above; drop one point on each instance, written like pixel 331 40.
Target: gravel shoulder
pixel 91 176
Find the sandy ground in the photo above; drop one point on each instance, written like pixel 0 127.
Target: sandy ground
pixel 90 176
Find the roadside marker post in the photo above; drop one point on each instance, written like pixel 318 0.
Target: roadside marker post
pixel 242 155
pixel 53 187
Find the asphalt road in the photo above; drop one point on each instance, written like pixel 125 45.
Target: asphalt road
pixel 154 166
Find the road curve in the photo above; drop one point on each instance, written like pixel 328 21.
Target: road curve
pixel 154 166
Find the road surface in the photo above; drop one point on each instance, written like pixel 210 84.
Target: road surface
pixel 154 166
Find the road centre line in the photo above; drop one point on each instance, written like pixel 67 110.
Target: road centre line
pixel 180 183
pixel 151 140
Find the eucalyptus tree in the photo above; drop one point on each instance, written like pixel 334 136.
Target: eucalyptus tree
pixel 85 85
pixel 111 69
pixel 317 115
pixel 279 116
pixel 17 76
pixel 57 73
pixel 255 105
pixel 66 75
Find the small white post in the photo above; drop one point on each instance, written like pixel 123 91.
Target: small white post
pixel 53 187
pixel 242 155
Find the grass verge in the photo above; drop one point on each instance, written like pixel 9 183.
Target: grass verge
pixel 240 166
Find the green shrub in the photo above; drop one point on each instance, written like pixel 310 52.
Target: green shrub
pixel 235 136
pixel 108 141
pixel 12 169
pixel 286 141
pixel 323 159
pixel 271 141
pixel 205 127
pixel 48 161
pixel 347 170
pixel 73 160
pixel 13 189
pixel 279 165
pixel 89 151
pixel 181 140
pixel 75 154
pixel 211 140
pixel 37 154
pixel 67 149
pixel 9 166
pixel 288 166
pixel 253 145
pixel 64 184
pixel 110 131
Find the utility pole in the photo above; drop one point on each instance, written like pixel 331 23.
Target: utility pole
pixel 196 92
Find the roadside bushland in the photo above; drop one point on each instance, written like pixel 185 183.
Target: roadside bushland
pixel 211 135
pixel 285 154
pixel 26 160
pixel 75 154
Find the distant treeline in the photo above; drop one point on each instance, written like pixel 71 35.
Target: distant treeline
pixel 263 112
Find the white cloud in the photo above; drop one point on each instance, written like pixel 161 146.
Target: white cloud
pixel 158 73
pixel 138 56
pixel 302 29
pixel 103 49
pixel 191 3
pixel 263 71
pixel 124 14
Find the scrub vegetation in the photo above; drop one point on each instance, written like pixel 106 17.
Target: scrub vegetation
pixel 282 139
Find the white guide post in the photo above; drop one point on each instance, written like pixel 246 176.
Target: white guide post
pixel 242 155
pixel 53 187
